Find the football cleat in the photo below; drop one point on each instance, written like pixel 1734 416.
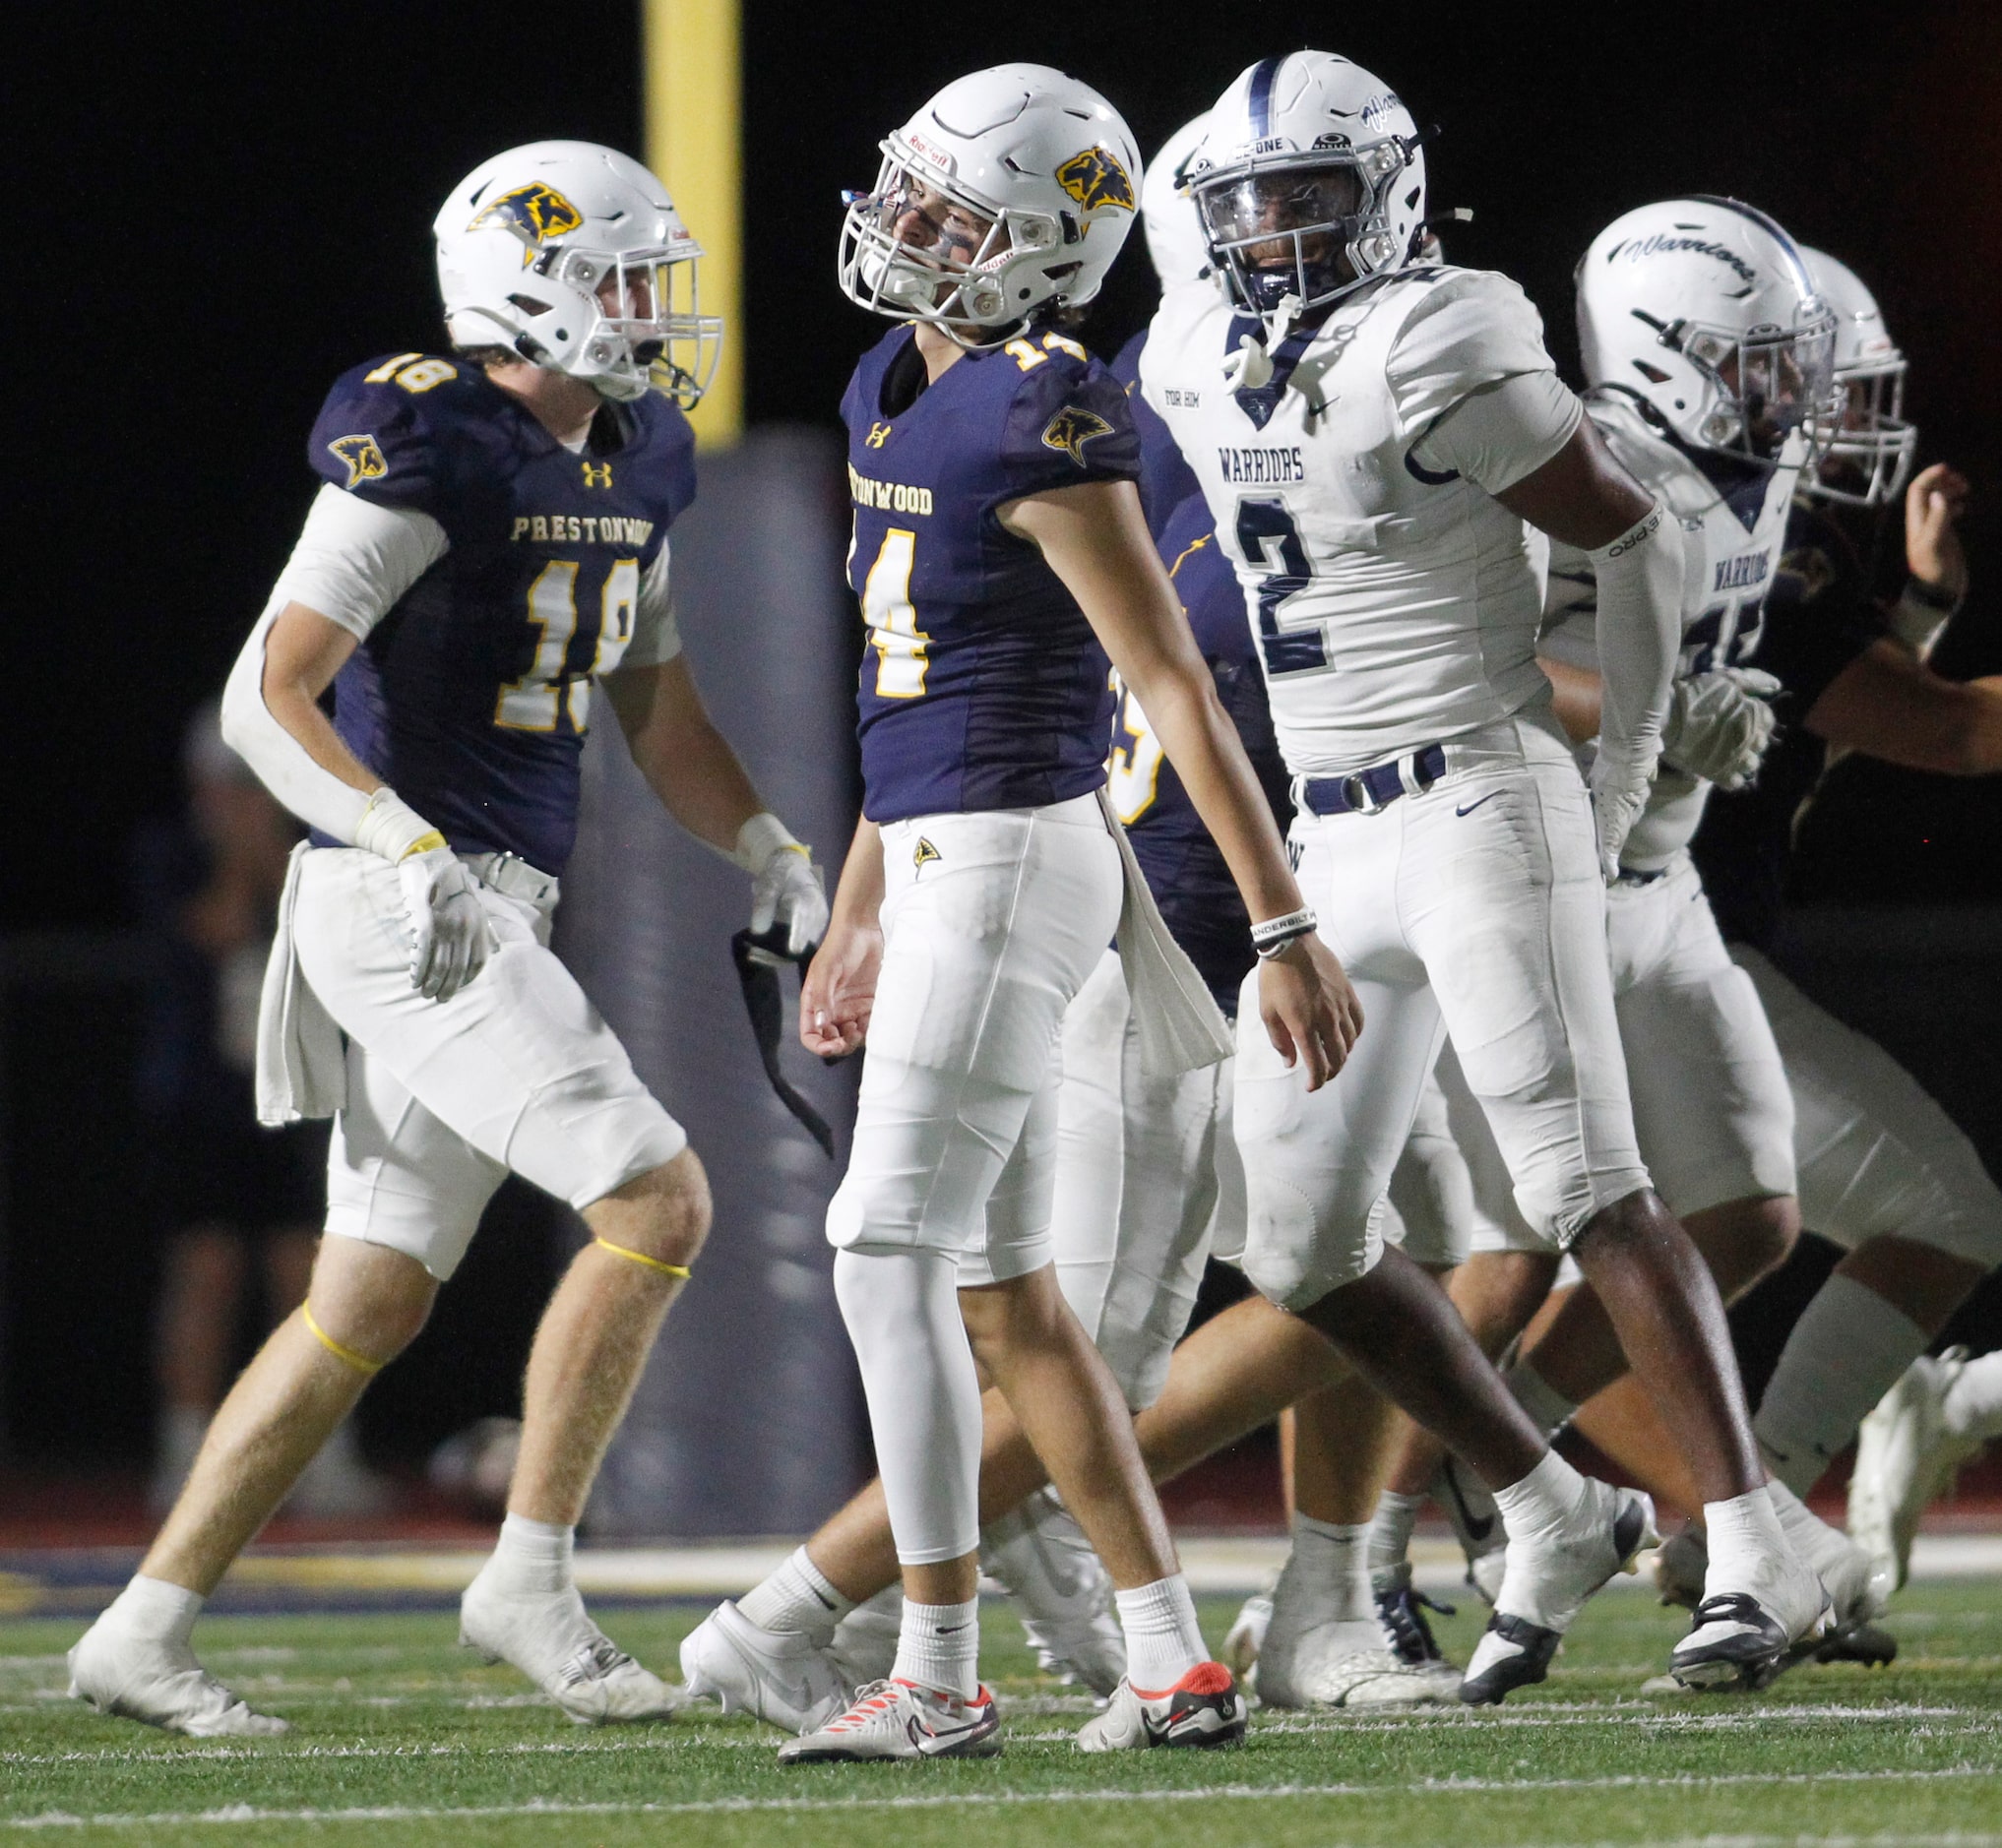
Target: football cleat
pixel 551 1640
pixel 1040 1556
pixel 898 1719
pixel 1548 1577
pixel 1246 1636
pixel 1680 1568
pixel 1477 1524
pixel 1400 1609
pixel 1203 1708
pixel 864 1645
pixel 1858 1584
pixel 775 1675
pixel 1744 1634
pixel 161 1684
pixel 1905 1454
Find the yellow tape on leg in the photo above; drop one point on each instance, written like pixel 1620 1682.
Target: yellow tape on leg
pixel 638 1258
pixel 359 1362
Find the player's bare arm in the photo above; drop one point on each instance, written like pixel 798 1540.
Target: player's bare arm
pixel 1094 539
pixel 686 762
pixel 1888 703
pixel 1581 495
pixel 303 654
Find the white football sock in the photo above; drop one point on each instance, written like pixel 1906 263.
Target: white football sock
pixel 797 1598
pixel 1543 1499
pixel 938 1647
pixel 151 1609
pixel 902 1308
pixel 1974 1402
pixel 1744 1536
pixel 1551 1410
pixel 1390 1534
pixel 533 1555
pixel 1329 1572
pixel 1849 1348
pixel 1162 1641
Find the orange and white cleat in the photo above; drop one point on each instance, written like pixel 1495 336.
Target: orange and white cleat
pixel 1203 1708
pixel 898 1719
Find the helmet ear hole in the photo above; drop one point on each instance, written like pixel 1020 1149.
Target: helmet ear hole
pixel 1652 374
pixel 528 305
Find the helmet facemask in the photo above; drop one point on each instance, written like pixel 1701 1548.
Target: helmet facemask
pixel 646 329
pixel 1312 228
pixel 1865 451
pixel 1762 385
pixel 918 248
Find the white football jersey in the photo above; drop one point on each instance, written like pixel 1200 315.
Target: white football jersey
pixel 1394 605
pixel 1731 546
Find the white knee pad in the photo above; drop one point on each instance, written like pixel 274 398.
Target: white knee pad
pixel 902 1308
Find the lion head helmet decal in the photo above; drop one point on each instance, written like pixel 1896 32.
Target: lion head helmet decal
pixel 1095 178
pixel 1072 428
pixel 534 213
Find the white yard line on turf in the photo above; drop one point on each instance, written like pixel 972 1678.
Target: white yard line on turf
pixel 1218 1793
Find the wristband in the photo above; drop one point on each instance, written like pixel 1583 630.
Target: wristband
pixel 1274 933
pixel 763 835
pixel 390 827
pixel 1933 596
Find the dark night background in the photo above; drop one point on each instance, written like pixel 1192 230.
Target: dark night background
pixel 217 209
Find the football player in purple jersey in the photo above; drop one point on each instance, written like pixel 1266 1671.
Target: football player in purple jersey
pixel 489 545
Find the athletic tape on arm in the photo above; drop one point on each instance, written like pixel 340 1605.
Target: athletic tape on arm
pixel 1639 634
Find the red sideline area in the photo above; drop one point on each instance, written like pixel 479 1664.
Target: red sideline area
pixel 1238 1492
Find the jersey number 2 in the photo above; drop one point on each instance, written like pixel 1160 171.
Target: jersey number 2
pixel 1269 539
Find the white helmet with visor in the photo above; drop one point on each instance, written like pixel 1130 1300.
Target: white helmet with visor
pixel 1706 310
pixel 573 256
pixel 1866 457
pixel 1009 192
pixel 1310 181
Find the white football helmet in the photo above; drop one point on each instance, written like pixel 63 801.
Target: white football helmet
pixel 573 256
pixel 1866 457
pixel 1176 243
pixel 1310 181
pixel 1011 190
pixel 1706 311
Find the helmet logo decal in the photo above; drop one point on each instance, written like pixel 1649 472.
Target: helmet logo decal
pixel 363 456
pixel 1095 179
pixel 1658 244
pixel 534 213
pixel 1071 429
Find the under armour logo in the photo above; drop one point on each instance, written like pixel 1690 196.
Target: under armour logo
pixel 598 474
pixel 924 854
pixel 879 434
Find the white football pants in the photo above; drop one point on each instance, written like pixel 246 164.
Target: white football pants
pixel 1475 906
pixel 517 1070
pixel 991 924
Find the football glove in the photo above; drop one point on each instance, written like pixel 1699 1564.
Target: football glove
pixel 1719 724
pixel 785 884
pixel 1619 792
pixel 450 938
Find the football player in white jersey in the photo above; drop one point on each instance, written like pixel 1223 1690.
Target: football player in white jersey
pixel 490 546
pixel 1372 436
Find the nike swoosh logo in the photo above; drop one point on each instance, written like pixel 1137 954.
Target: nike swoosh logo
pixel 1472 805
pixel 1476 1530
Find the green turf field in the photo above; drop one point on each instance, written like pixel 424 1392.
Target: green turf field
pixel 396 1738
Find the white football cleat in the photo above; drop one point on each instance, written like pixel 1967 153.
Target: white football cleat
pixel 1906 1456
pixel 1400 1609
pixel 775 1675
pixel 161 1684
pixel 1744 1634
pixel 1547 1581
pixel 551 1640
pixel 864 1645
pixel 1203 1708
pixel 1477 1524
pixel 1040 1555
pixel 897 1719
pixel 1245 1638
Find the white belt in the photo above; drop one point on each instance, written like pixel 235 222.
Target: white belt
pixel 513 876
